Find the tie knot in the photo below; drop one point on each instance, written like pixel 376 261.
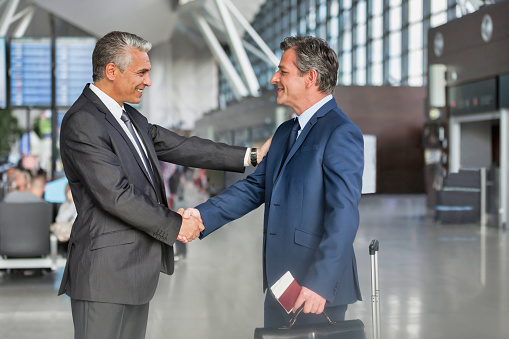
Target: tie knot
pixel 124 116
pixel 296 125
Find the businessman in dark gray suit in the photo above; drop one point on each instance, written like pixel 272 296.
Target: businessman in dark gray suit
pixel 123 234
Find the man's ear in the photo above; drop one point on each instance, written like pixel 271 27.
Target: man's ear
pixel 311 78
pixel 111 71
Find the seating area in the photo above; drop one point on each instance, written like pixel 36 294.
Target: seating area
pixel 25 238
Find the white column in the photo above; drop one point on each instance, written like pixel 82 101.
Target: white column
pixel 454 145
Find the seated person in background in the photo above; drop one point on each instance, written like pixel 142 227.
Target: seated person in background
pixel 38 185
pixel 61 228
pixel 21 189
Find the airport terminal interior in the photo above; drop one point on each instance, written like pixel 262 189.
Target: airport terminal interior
pixel 426 82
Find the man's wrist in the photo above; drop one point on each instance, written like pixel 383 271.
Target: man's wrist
pixel 254 156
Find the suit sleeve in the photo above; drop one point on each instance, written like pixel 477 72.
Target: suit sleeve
pixel 92 163
pixel 236 201
pixel 343 165
pixel 196 152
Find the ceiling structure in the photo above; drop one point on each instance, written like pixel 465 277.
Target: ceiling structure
pixel 155 20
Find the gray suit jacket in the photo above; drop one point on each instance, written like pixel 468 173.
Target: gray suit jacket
pixel 123 235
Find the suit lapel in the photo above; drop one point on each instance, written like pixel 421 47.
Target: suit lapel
pixel 111 119
pixel 151 153
pixel 329 105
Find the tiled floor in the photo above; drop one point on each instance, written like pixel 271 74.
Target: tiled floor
pixel 436 282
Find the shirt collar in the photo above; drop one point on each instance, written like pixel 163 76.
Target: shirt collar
pixel 108 101
pixel 307 114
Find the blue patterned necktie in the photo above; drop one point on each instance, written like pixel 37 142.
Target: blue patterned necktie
pixel 129 124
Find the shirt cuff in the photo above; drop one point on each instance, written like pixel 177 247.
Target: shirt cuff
pixel 247 158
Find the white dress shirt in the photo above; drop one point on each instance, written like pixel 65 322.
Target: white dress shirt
pixel 307 114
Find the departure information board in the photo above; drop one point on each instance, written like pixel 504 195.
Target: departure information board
pixel 3 73
pixel 73 68
pixel 30 72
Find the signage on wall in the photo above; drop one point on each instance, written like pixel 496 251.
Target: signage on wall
pixel 477 97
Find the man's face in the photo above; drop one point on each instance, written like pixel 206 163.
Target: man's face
pixel 20 182
pixel 290 84
pixel 128 86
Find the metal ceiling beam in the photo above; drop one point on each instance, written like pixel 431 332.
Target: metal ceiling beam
pixel 238 50
pixel 9 17
pixel 237 85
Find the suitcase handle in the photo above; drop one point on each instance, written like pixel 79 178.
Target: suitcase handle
pixel 373 247
pixel 294 317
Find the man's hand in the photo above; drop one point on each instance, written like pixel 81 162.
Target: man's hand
pixel 191 227
pixel 262 151
pixel 313 303
pixel 192 212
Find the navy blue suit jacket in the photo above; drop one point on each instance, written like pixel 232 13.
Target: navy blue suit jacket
pixel 311 205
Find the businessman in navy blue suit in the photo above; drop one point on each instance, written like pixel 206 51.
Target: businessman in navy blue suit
pixel 311 192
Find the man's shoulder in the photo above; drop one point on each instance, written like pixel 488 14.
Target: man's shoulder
pixel 20 197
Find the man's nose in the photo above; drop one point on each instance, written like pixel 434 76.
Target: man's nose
pixel 146 80
pixel 275 78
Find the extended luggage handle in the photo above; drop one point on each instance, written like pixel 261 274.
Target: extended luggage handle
pixel 375 292
pixel 294 317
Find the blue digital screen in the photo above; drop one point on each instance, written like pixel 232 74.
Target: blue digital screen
pixel 73 68
pixel 30 72
pixel 3 75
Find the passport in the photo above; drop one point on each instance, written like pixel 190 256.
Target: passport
pixel 286 290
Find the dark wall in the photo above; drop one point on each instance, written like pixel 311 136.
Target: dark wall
pixel 467 56
pixel 396 116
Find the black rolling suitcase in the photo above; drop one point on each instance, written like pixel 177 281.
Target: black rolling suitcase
pixel 348 329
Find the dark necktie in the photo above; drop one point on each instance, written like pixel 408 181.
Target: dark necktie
pixel 129 124
pixel 292 137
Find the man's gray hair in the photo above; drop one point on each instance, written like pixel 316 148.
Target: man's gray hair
pixel 315 53
pixel 116 47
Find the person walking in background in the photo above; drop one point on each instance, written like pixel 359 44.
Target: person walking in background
pixel 123 234
pixel 310 183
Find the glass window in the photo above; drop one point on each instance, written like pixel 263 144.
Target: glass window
pixel 377 52
pixel 334 8
pixel 415 36
pixel 361 77
pixel 377 74
pixel 395 19
pixel 395 44
pixel 395 71
pixel 377 7
pixel 347 68
pixel 377 27
pixel 414 11
pixel 415 63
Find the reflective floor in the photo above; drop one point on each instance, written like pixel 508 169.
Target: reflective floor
pixel 436 281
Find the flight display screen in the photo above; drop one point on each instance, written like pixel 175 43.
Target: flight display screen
pixel 30 72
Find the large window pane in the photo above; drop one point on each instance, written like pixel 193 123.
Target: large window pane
pixel 395 19
pixel 395 44
pixel 377 74
pixel 395 71
pixel 415 63
pixel 415 10
pixel 361 77
pixel 415 36
pixel 377 7
pixel 377 53
pixel 377 27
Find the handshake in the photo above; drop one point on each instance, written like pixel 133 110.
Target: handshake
pixel 192 225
